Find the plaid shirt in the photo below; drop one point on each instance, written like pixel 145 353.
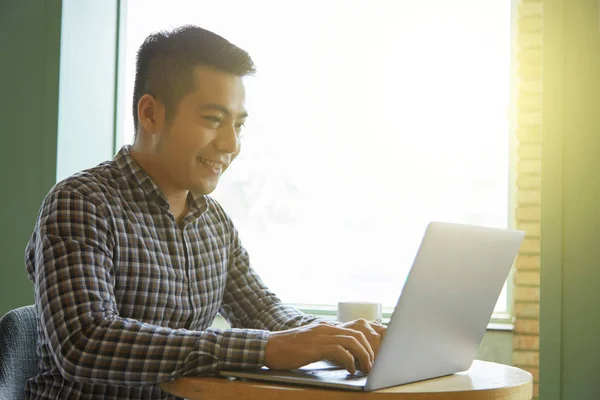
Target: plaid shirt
pixel 125 297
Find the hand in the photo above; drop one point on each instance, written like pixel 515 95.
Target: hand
pixel 297 347
pixel 373 331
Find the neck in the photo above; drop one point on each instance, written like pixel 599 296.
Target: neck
pixel 176 197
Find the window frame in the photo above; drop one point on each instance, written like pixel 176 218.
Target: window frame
pixel 499 320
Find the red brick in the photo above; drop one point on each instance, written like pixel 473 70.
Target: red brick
pixel 531 278
pixel 528 71
pixel 527 310
pixel 526 357
pixel 530 151
pixel 529 118
pixel 531 86
pixel 529 167
pixel 526 262
pixel 530 9
pixel 529 197
pixel 529 134
pixel 529 181
pixel 530 246
pixel 530 56
pixel 522 293
pixel 526 342
pixel 531 214
pixel 529 102
pixel 530 326
pixel 530 40
pixel 530 24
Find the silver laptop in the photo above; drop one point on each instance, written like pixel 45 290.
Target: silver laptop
pixel 441 314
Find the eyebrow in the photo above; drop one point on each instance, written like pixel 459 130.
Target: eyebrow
pixel 223 109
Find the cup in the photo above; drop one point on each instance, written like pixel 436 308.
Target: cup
pixel 352 310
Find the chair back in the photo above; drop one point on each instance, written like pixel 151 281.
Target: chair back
pixel 18 357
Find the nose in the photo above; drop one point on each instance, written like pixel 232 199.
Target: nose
pixel 227 139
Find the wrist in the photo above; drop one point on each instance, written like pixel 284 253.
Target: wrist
pixel 271 349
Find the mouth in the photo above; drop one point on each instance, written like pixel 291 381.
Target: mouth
pixel 215 166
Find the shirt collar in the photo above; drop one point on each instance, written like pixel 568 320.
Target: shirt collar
pixel 197 203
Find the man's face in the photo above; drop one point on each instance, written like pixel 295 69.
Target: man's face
pixel 203 136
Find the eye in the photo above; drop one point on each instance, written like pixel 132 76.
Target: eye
pixel 213 118
pixel 239 125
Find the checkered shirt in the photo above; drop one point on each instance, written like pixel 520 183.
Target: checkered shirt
pixel 125 297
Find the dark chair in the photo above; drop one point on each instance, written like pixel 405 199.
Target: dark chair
pixel 18 358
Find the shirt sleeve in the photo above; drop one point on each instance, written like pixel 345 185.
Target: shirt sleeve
pixel 248 302
pixel 70 257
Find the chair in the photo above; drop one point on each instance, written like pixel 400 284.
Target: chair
pixel 18 358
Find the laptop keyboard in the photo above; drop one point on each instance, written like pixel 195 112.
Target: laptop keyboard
pixel 338 374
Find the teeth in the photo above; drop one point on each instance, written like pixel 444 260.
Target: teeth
pixel 211 163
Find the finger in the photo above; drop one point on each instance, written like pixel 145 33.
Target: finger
pixel 340 354
pixel 377 324
pixel 374 339
pixel 354 346
pixel 364 334
pixel 380 329
pixel 359 329
pixel 358 335
pixel 371 334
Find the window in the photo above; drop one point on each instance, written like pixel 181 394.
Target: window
pixel 367 120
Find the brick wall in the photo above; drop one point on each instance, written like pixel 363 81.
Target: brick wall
pixel 526 289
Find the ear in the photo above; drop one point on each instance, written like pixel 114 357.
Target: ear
pixel 151 113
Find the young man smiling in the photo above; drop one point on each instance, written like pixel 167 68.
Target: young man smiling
pixel 132 260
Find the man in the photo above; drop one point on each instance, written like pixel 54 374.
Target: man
pixel 132 259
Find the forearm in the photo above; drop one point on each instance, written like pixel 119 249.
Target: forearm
pixel 118 351
pixel 279 317
pixel 261 309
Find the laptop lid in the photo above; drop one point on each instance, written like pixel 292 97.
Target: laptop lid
pixel 446 303
pixel 441 314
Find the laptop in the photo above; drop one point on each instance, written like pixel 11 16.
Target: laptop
pixel 440 317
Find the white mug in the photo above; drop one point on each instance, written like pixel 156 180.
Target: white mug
pixel 352 310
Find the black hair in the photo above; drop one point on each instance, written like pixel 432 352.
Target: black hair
pixel 166 61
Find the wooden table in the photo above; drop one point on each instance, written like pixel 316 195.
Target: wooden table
pixel 484 381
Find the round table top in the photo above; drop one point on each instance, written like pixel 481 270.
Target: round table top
pixel 483 381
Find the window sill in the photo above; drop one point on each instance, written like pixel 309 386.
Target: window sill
pixel 500 326
pixel 500 322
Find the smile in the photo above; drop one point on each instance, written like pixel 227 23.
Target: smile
pixel 216 165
